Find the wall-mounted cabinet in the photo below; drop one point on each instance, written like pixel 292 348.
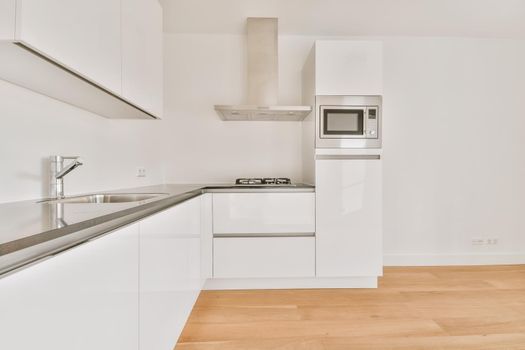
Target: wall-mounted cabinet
pixel 348 67
pixel 102 56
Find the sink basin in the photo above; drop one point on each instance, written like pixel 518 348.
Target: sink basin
pixel 107 198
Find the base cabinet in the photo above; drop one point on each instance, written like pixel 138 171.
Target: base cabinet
pixel 82 299
pixel 170 273
pixel 131 289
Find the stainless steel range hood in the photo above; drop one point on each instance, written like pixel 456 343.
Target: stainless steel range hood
pixel 262 78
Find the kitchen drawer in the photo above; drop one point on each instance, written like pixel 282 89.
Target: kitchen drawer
pixel 252 213
pixel 263 257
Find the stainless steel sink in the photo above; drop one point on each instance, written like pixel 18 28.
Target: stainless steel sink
pixel 107 198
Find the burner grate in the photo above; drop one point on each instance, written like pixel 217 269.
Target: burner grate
pixel 263 181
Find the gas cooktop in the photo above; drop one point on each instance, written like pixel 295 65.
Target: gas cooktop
pixel 264 181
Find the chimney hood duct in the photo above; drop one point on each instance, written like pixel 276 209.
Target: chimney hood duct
pixel 263 78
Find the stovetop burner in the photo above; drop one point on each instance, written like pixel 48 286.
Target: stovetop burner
pixel 257 181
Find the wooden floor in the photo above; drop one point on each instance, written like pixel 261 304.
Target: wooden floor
pixel 414 308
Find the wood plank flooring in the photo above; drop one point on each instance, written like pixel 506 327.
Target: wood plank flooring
pixel 481 307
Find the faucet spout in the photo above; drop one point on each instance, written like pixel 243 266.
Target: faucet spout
pixel 69 168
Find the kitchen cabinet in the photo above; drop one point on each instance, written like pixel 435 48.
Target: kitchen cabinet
pixel 263 235
pixel 142 61
pixel 170 272
pixel 256 213
pixel 349 217
pixel 7 19
pixel 104 56
pixel 84 36
pixel 83 298
pixel 347 67
pixel 264 257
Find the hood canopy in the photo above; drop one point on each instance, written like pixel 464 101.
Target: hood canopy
pixel 263 78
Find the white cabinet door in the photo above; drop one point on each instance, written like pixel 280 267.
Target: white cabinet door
pixel 349 218
pixel 345 67
pixel 83 299
pixel 142 60
pixel 263 257
pixel 254 213
pixel 84 36
pixel 7 19
pixel 169 273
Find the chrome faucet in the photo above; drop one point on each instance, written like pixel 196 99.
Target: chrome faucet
pixel 58 171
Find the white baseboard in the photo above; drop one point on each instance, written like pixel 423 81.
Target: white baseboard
pixel 453 259
pixel 289 283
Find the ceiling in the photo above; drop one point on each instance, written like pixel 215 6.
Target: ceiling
pixel 463 18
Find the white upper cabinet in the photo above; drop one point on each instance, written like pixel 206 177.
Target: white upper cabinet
pixel 84 36
pixel 142 60
pixel 348 67
pixel 7 19
pixel 104 56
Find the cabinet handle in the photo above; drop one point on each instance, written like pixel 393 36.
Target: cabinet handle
pixel 263 235
pixel 347 156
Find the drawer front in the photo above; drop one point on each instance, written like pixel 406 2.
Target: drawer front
pixel 262 257
pixel 253 213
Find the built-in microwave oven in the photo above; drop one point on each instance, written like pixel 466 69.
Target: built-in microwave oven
pixel 348 121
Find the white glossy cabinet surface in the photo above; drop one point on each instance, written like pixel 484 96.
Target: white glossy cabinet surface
pixel 83 299
pixel 170 275
pixel 142 61
pixel 254 213
pixel 348 67
pixel 264 257
pixel 349 217
pixel 7 19
pixel 85 36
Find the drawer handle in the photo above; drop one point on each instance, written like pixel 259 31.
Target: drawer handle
pixel 347 156
pixel 263 235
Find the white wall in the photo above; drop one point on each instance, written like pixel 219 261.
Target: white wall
pixel 34 127
pixel 454 151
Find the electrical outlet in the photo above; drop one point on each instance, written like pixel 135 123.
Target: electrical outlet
pixel 478 241
pixel 492 241
pixel 141 172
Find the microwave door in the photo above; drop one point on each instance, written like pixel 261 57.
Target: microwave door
pixel 342 122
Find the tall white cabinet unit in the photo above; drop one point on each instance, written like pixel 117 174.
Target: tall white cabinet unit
pixel 348 180
pixel 347 67
pixel 349 216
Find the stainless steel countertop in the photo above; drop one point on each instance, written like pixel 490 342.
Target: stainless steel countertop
pixel 31 231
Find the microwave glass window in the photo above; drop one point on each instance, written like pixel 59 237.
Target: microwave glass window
pixel 343 122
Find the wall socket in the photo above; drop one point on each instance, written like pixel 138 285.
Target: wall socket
pixel 485 241
pixel 141 172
